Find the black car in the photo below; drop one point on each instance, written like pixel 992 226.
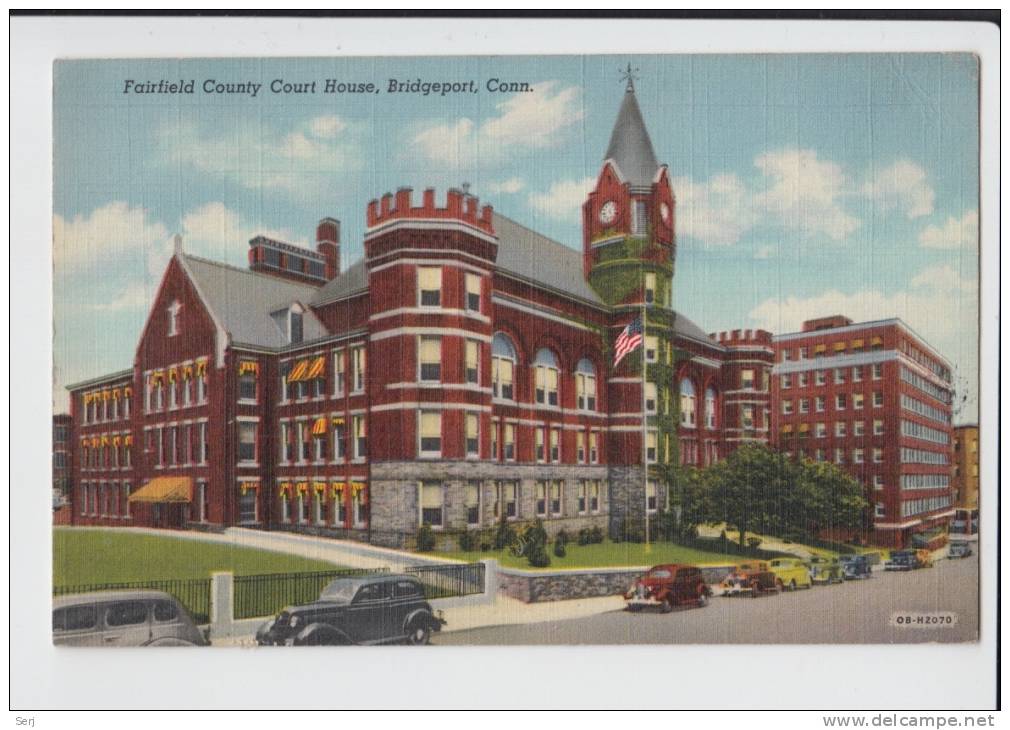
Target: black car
pixel 855 566
pixel 380 609
pixel 902 560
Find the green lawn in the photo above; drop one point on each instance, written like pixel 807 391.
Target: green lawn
pixel 84 557
pixel 607 554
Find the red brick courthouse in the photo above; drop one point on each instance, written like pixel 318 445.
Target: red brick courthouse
pixel 460 372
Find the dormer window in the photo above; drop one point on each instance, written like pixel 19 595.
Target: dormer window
pixel 296 333
pixel 173 318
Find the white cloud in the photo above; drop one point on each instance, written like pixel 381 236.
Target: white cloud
pixel 939 303
pixel 511 186
pixel 293 161
pixel 805 193
pixel 901 186
pixel 135 296
pixel 955 233
pixel 717 211
pixel 106 233
pixel 563 200
pixel 530 120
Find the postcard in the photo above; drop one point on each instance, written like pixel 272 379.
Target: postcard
pixel 516 350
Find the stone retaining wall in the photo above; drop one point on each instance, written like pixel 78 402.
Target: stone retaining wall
pixel 535 586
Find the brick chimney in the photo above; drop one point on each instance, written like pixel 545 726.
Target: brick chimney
pixel 328 244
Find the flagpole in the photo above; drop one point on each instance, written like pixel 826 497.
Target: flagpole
pixel 645 448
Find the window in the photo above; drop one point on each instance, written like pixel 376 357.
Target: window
pixel 879 509
pixel 878 456
pixel 878 399
pixel 650 397
pixel 494 440
pixel 651 446
pixel 472 502
pixel 431 503
pixel 545 367
pixel 431 433
pixel 787 407
pixel 304 441
pixel 651 500
pixel 821 377
pixel 858 428
pixel 507 500
pixel 651 348
pixel 339 431
pixel 360 438
pixel 473 292
pixel 840 402
pixel 75 618
pixel 503 359
pixel 857 401
pixel 582 501
pixel 747 416
pixel 358 369
pixel 540 498
pixel 710 405
pixel 857 456
pixel 247 380
pixel 202 501
pixel 820 430
pixel 839 456
pixel 687 403
pixel 296 327
pixel 247 511
pixel 540 442
pixel 804 405
pixel 429 286
pixel 650 288
pixel 555 444
pixel 287 444
pixel 878 428
pixel 473 362
pixel 204 441
pixel 319 504
pixel 585 385
pixel 787 355
pixel 819 404
pixel 173 318
pixel 126 613
pixel 339 374
pixel 878 481
pixel 319 433
pixel 472 434
pixel 594 496
pixel 840 429
pixel 580 447
pixel 247 441
pixel 857 374
pixel 556 489
pixel 803 379
pixel 747 380
pixel 509 441
pixel 878 371
pixel 639 219
pixel 594 452
pixel 201 382
pixel 839 376
pixel 429 356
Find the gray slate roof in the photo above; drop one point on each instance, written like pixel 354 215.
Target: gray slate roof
pixel 242 301
pixel 354 279
pixel 630 146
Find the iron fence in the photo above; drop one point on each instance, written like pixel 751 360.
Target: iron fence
pixel 450 579
pixel 265 595
pixel 193 593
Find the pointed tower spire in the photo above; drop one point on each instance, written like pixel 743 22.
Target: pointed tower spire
pixel 630 146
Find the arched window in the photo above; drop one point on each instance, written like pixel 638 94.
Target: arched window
pixel 710 402
pixel 687 403
pixel 503 364
pixel 545 367
pixel 585 385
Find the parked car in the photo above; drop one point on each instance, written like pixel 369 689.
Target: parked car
pixel 923 558
pixel 753 578
pixel 791 573
pixel 825 570
pixel 376 609
pixel 855 566
pixel 124 618
pixel 959 550
pixel 901 560
pixel 667 586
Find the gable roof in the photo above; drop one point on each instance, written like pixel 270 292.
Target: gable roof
pixel 630 146
pixel 353 279
pixel 242 302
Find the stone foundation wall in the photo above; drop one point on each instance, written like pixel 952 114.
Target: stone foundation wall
pixel 539 586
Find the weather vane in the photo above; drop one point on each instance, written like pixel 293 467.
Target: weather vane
pixel 628 75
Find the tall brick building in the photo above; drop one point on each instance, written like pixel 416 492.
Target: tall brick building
pixel 874 398
pixel 965 479
pixel 460 372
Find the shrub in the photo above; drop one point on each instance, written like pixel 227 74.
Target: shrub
pixel 560 543
pixel 485 547
pixel 538 557
pixel 753 542
pixel 630 530
pixel 467 540
pixel 535 540
pixel 583 537
pixel 504 535
pixel 425 539
pixel 595 535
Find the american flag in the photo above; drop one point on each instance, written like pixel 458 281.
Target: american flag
pixel 628 340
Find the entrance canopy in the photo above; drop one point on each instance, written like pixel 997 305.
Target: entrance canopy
pixel 165 489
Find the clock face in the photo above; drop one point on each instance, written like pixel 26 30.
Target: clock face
pixel 664 211
pixel 608 212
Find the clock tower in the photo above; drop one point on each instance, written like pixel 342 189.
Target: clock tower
pixel 628 218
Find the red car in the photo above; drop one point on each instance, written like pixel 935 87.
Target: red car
pixel 666 586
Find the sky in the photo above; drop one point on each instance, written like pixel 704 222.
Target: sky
pixel 805 185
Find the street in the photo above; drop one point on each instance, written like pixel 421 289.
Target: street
pixel 853 612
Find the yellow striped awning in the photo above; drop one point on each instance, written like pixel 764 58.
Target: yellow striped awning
pixel 876 341
pixel 316 368
pixel 856 343
pixel 319 426
pixel 85 441
pixel 244 487
pixel 820 348
pixel 128 440
pixel 299 372
pixel 117 440
pixel 156 377
pixel 116 393
pixel 839 346
pixel 804 427
pixel 106 394
pixel 248 366
pixel 338 421
pixel 337 488
pixel 284 489
pixel 165 489
pixel 318 486
pixel 201 368
pixel 788 428
pixel 127 392
pixel 173 375
pixel 187 372
pixel 302 486
pixel 105 440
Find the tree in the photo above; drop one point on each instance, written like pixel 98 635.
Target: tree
pixel 832 499
pixel 745 489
